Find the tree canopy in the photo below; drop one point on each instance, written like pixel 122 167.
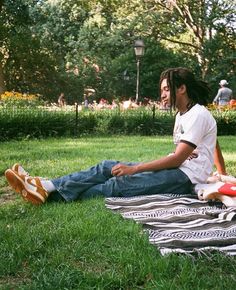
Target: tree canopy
pixel 53 46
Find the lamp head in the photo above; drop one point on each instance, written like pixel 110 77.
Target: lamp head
pixel 139 47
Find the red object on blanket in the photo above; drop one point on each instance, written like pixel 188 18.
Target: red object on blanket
pixel 228 189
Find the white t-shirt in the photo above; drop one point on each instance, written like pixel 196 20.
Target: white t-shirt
pixel 198 128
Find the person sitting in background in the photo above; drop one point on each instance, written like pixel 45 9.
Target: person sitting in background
pixel 224 94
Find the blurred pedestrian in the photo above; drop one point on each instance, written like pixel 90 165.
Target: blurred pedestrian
pixel 224 94
pixel 61 100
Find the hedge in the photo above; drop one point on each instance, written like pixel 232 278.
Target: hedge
pixel 28 122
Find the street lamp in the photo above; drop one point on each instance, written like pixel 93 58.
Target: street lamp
pixel 139 52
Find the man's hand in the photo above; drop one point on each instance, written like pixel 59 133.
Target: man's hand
pixel 122 169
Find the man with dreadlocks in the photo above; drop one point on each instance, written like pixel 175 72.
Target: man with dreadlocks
pixel 190 163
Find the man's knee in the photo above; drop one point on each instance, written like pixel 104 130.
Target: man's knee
pixel 106 166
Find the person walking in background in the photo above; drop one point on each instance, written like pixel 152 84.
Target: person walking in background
pixel 224 94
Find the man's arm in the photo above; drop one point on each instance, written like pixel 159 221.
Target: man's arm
pixel 182 152
pixel 219 160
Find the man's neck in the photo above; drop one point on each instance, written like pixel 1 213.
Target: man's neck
pixel 185 108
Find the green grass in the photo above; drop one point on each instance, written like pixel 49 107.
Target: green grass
pixel 82 245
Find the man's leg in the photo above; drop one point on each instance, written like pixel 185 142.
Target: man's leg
pixel 72 186
pixel 36 190
pixel 160 182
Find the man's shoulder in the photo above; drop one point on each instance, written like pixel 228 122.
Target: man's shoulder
pixel 199 108
pixel 202 112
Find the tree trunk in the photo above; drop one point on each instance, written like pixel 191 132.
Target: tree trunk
pixel 204 64
pixel 2 82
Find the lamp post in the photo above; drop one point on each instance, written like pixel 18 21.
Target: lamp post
pixel 139 52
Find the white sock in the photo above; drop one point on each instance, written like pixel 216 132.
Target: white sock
pixel 48 185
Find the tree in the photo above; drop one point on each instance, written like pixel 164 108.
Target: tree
pixel 2 79
pixel 50 46
pixel 193 25
pixel 22 58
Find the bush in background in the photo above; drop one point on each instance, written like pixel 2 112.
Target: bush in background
pixel 35 122
pixel 9 99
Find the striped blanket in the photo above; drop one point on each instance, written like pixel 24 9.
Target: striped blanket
pixel 181 224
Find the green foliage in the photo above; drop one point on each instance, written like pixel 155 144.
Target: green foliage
pixel 203 31
pixel 86 123
pixel 28 122
pixel 16 99
pixel 226 122
pixel 70 45
pixel 82 245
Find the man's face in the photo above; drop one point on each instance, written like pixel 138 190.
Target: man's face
pixel 165 93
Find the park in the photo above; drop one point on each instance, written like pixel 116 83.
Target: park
pixel 79 83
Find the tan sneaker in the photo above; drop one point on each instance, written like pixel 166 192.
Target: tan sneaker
pixel 22 172
pixel 19 170
pixel 29 187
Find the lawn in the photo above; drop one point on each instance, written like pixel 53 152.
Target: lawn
pixel 82 245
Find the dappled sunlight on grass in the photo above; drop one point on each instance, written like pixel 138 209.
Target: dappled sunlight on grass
pixel 54 157
pixel 46 154
pixel 82 243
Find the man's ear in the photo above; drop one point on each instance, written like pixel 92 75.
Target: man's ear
pixel 182 89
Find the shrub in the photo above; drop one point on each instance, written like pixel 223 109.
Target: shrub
pixel 226 121
pixel 19 99
pixel 28 122
pixel 35 122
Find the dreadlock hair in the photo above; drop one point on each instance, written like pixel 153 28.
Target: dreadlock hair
pixel 198 91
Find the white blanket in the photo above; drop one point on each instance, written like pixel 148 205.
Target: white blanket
pixel 181 224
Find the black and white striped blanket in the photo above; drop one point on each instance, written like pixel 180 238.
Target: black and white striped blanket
pixel 181 224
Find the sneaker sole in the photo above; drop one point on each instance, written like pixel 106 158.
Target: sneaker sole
pixel 18 185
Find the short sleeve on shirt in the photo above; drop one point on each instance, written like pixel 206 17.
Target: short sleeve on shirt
pixel 193 125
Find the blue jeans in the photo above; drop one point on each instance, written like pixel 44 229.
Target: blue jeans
pixel 98 181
